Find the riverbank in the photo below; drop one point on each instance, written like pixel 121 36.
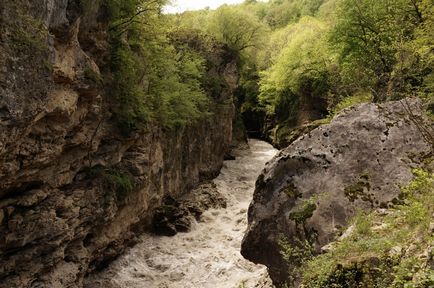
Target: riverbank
pixel 209 255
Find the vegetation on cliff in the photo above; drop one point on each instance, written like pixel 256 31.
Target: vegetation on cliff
pixel 301 62
pixel 300 59
pixel 155 79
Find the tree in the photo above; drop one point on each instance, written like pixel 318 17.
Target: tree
pixel 367 36
pixel 414 73
pixel 239 29
pixel 299 72
pixel 281 13
pixel 153 79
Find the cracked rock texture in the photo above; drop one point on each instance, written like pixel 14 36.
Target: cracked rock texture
pixel 310 190
pixel 59 216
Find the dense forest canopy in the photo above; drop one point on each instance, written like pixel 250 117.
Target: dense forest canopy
pixel 298 59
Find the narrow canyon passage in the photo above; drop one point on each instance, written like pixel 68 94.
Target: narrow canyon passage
pixel 208 256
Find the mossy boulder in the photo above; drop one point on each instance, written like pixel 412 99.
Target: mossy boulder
pixel 311 189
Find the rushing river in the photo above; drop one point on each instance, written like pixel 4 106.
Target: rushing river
pixel 208 256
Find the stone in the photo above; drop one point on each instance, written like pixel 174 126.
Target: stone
pixel 177 215
pixel 395 251
pixel 31 198
pixel 357 162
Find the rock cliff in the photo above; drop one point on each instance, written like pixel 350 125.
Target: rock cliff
pixel 311 189
pixel 73 191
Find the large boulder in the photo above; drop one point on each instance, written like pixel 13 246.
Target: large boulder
pixel 311 189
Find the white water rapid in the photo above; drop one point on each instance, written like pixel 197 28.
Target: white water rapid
pixel 208 256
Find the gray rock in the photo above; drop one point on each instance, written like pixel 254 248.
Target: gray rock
pixel 312 188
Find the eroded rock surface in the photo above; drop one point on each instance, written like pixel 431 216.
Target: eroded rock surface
pixel 177 215
pixel 309 191
pixel 73 191
pixel 208 256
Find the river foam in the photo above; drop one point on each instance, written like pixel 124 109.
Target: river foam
pixel 208 256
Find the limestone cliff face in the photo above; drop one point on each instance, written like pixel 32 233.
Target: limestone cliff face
pixel 64 209
pixel 311 189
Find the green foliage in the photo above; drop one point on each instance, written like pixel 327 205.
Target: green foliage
pixel 238 29
pixel 351 101
pixel 362 223
pixel 281 13
pixel 301 251
pixel 119 182
pixel 299 72
pixel 294 56
pixel 154 80
pixel 298 55
pixel 371 38
pixel 192 20
pixel 299 58
pixel 382 251
pixel 115 180
pixel 298 254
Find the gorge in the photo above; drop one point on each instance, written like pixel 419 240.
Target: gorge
pixel 125 159
pixel 209 255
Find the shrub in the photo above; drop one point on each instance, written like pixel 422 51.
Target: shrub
pixel 351 101
pixel 371 250
pixel 115 180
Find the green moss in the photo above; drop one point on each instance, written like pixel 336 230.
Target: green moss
pixel 323 121
pixel 359 189
pixel 121 183
pixel 291 191
pixel 303 211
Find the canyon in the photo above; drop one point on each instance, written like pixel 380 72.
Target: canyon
pixel 74 191
pixel 125 161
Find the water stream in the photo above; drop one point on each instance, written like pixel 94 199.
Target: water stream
pixel 208 256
